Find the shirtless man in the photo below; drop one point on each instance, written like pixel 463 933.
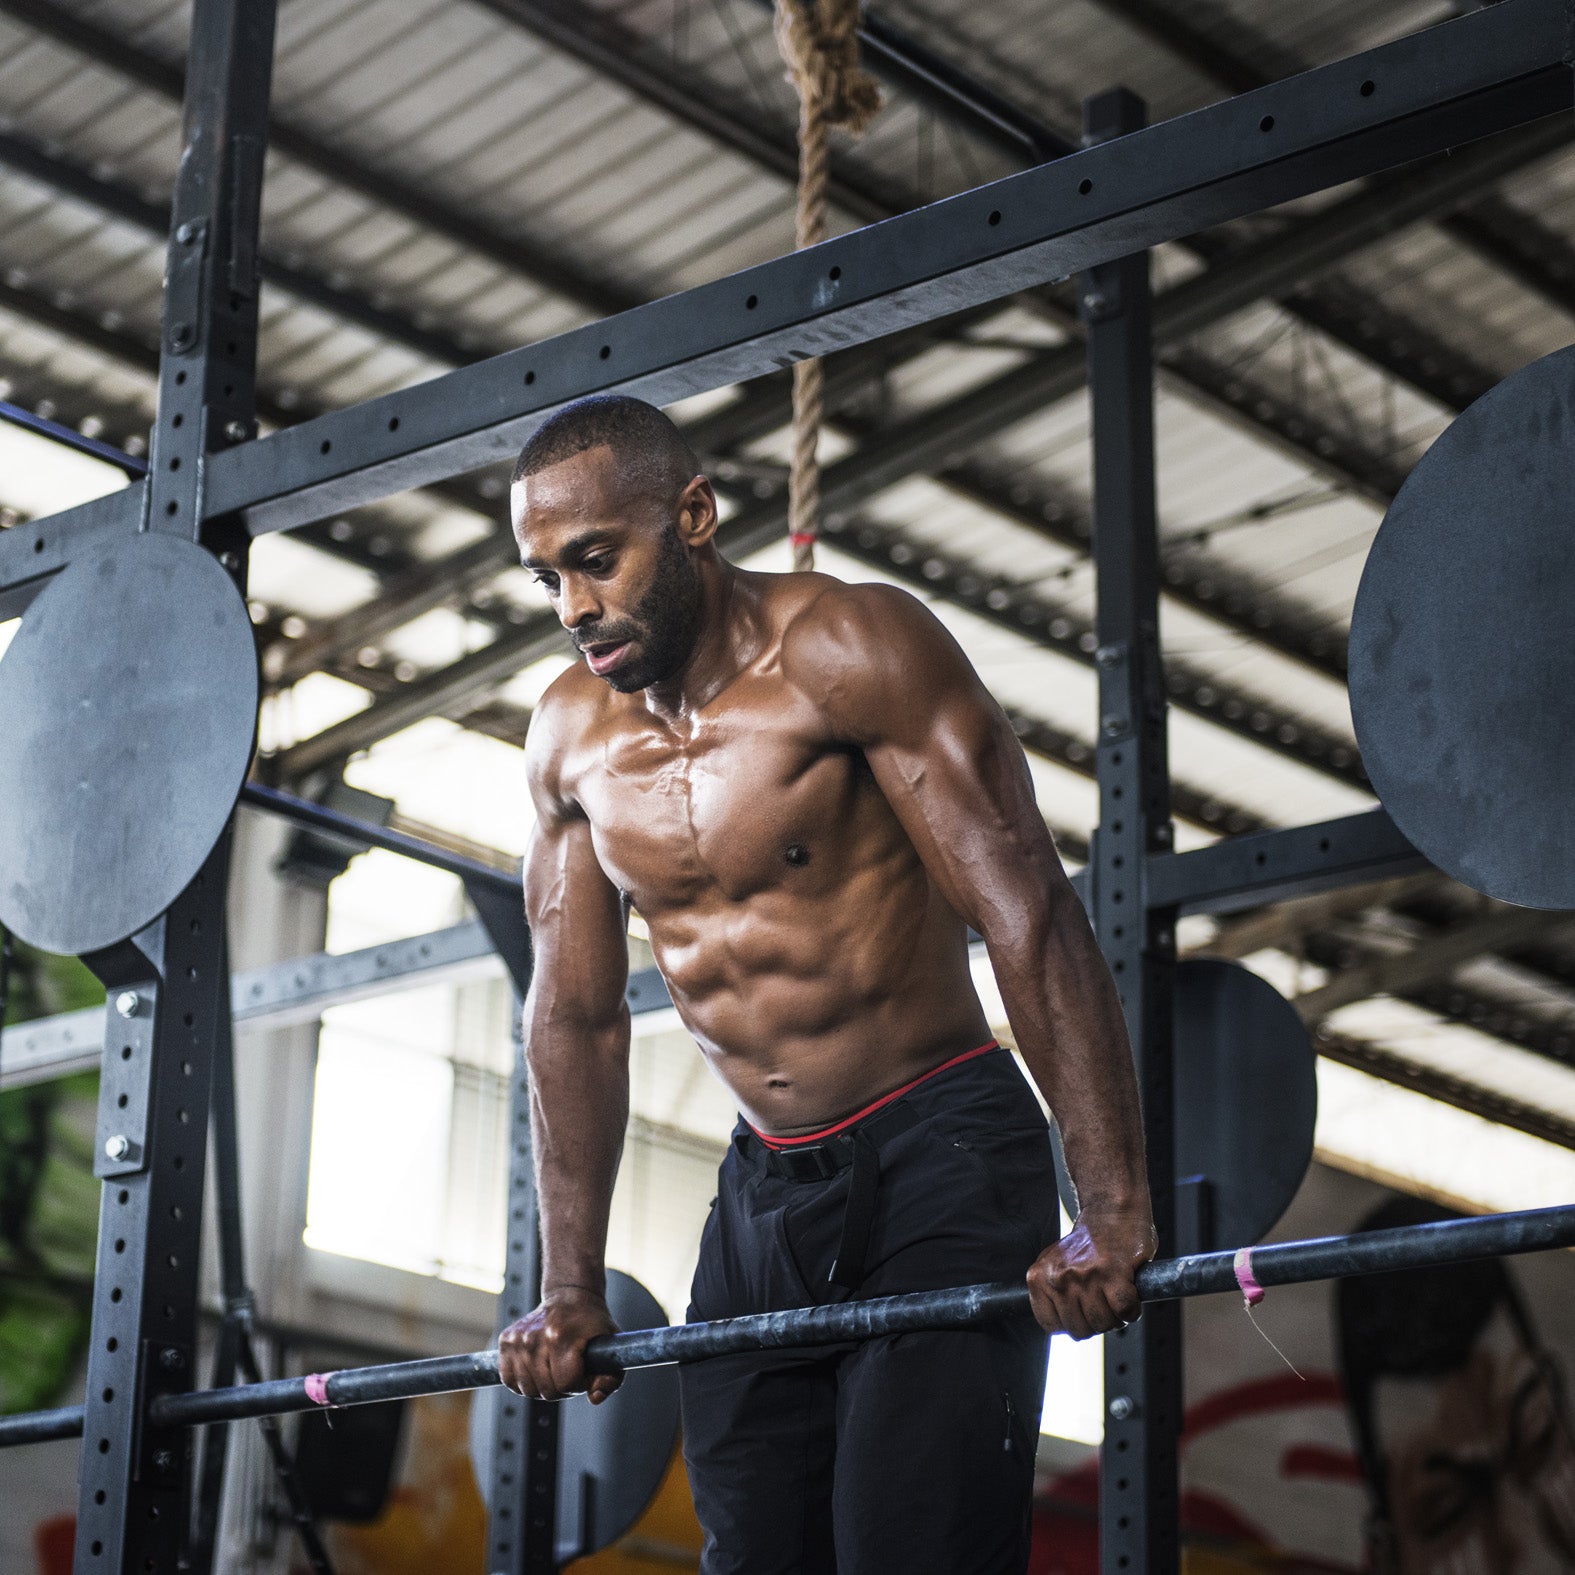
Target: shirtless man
pixel 809 796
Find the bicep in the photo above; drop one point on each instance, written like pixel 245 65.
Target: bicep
pixel 946 759
pixel 577 925
pixel 959 785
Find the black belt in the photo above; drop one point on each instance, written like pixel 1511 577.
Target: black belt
pixel 857 1149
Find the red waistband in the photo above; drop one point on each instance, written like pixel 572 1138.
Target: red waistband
pixel 868 1110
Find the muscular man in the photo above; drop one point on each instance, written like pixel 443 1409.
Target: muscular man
pixel 809 796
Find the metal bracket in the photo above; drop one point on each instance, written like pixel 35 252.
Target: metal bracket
pixel 161 1453
pixel 121 1139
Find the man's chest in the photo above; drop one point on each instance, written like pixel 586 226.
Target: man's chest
pixel 737 804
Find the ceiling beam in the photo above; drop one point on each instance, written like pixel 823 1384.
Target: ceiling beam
pixel 1430 959
pixel 1228 391
pixel 1475 1098
pixel 56 172
pixel 1283 926
pixel 1389 342
pixel 1506 237
pixel 540 261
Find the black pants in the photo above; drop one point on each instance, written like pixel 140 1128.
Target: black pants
pixel 913 1453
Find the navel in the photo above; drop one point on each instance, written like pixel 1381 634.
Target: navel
pixel 797 855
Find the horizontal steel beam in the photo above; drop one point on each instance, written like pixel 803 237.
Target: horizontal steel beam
pixel 275 996
pixel 281 995
pixel 319 817
pixel 966 1307
pixel 30 554
pixel 1454 83
pixel 1269 866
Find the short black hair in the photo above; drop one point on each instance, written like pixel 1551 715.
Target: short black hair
pixel 1413 1323
pixel 651 452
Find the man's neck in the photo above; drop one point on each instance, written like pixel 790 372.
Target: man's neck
pixel 727 642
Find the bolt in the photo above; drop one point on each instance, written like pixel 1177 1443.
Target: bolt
pixel 186 234
pixel 163 1460
pixel 127 1002
pixel 1094 301
pixel 237 431
pixel 1108 655
pixel 1114 726
pixel 171 1360
pixel 230 560
pixel 181 335
pixel 1122 1408
pixel 117 1147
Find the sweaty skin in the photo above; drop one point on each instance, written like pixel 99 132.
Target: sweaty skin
pixel 808 810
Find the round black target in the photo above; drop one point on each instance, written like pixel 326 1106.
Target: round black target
pixel 128 710
pixel 1462 655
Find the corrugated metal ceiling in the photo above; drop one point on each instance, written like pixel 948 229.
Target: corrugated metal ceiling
pixel 546 158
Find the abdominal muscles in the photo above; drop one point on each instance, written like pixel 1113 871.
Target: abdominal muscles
pixel 811 999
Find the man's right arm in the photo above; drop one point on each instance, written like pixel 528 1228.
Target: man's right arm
pixel 577 1050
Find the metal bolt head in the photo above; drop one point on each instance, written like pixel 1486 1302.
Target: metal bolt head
pixel 237 431
pixel 170 1359
pixel 186 234
pixel 163 1460
pixel 181 335
pixel 1121 1408
pixel 117 1147
pixel 127 1003
pixel 1108 655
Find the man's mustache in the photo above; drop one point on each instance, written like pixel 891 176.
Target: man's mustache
pixel 604 634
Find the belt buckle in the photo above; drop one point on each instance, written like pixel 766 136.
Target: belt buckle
pixel 813 1162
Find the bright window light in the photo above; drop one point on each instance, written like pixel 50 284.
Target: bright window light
pixel 306 708
pixel 443 775
pixel 380 1132
pixel 1419 1145
pixel 42 476
pixel 1075 1390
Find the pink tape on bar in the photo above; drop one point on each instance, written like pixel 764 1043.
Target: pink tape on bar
pixel 317 1387
pixel 801 538
pixel 1246 1279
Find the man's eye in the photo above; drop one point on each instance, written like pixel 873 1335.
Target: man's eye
pixel 597 565
pixel 550 581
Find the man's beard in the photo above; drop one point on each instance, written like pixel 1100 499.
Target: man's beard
pixel 664 622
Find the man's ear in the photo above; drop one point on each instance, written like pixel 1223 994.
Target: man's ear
pixel 697 519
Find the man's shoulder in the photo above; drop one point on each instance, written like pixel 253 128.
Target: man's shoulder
pixel 827 622
pixel 874 659
pixel 570 707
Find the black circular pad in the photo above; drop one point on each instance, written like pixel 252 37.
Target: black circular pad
pixel 1246 1096
pixel 1462 659
pixel 128 709
pixel 612 1457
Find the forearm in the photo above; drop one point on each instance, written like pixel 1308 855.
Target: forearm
pixel 1067 1020
pixel 579 1109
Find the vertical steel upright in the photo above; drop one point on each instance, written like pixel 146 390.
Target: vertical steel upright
pixel 168 983
pixel 1139 1500
pixel 522 1497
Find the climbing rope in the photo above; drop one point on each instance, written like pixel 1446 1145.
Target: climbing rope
pixel 819 42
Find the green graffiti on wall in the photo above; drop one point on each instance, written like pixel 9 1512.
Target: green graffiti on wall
pixel 48 1199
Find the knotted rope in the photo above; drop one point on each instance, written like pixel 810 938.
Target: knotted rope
pixel 819 42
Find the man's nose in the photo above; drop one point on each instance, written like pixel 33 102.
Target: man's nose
pixel 578 604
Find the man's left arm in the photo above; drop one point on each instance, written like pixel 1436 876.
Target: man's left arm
pixel 897 685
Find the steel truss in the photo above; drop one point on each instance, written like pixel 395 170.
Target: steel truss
pixel 1088 212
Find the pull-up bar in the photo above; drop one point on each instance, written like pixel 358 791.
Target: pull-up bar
pixel 967 1307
